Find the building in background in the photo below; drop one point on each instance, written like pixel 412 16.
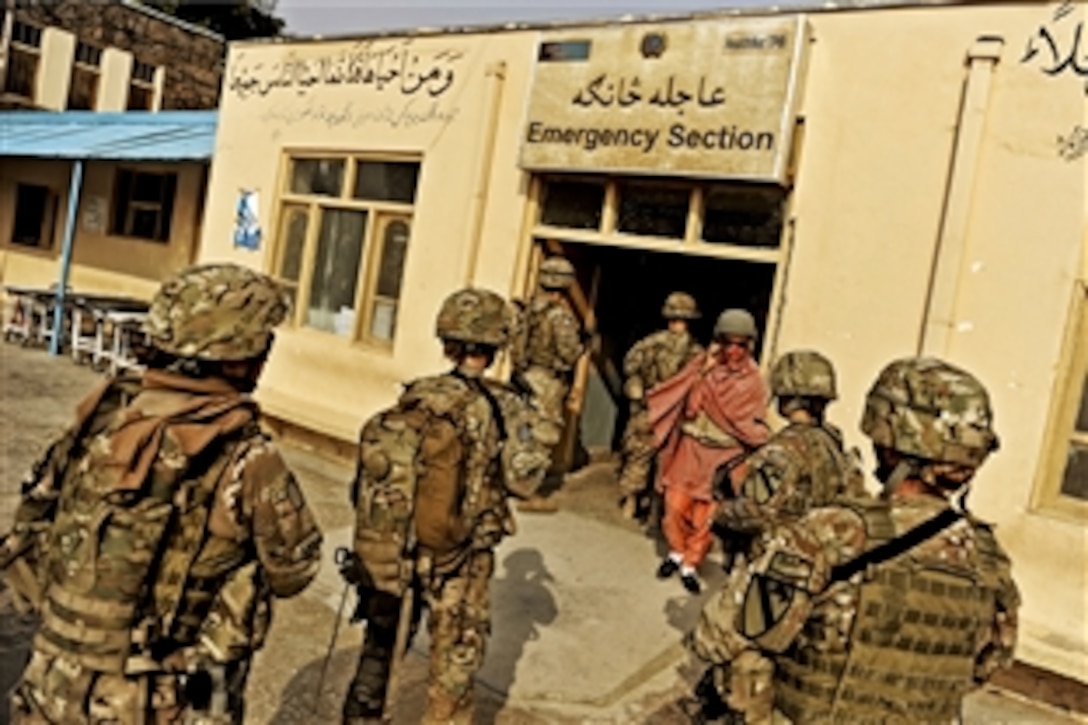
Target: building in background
pixel 871 181
pixel 106 57
pixel 104 66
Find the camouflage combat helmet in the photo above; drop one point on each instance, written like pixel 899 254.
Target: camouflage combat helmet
pixel 556 273
pixel 215 312
pixel 680 306
pixel 474 315
pixel 803 373
pixel 735 322
pixel 926 408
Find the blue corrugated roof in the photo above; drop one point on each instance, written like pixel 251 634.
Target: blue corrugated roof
pixel 128 136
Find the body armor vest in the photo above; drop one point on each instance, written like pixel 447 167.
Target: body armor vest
pixel 129 575
pixel 909 656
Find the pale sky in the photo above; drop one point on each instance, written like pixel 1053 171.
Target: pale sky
pixel 346 17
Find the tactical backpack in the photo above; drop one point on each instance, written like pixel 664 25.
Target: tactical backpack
pixel 116 558
pixel 410 483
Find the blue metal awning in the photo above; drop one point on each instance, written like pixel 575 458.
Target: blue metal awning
pixel 127 136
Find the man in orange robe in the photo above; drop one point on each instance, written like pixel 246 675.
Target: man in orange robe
pixel 711 414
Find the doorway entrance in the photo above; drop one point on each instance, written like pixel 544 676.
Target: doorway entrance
pixel 634 240
pixel 625 289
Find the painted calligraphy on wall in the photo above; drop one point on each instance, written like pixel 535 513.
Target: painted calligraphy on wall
pixel 701 99
pixel 397 67
pixel 1055 47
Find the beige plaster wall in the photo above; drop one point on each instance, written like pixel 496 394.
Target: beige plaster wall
pixel 881 108
pixel 345 381
pixel 101 262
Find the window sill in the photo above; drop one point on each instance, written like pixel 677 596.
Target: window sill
pixel 47 252
pixel 1064 509
pixel 318 336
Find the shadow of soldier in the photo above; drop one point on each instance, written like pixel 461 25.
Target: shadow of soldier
pixel 16 639
pixel 299 702
pixel 520 603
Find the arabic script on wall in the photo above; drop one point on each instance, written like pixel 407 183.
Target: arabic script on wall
pixel 392 67
pixel 1056 47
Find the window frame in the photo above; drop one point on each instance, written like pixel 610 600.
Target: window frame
pixel 88 68
pixel 692 242
pixel 1070 384
pixel 370 259
pixel 118 227
pixel 144 84
pixel 48 226
pixel 30 50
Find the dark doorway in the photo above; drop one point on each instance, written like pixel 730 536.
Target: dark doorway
pixel 35 210
pixel 626 288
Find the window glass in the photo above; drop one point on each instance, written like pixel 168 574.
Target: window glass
pixel 293 238
pixel 1075 478
pixel 386 181
pixel 324 177
pixel 383 313
pixel 653 210
pixel 143 204
pixel 1082 413
pixel 743 215
pixel 394 251
pixel 336 271
pixel 573 204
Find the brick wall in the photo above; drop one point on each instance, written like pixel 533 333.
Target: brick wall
pixel 192 62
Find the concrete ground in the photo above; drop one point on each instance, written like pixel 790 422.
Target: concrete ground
pixel 583 632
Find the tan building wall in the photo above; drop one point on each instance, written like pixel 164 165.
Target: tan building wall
pixel 101 261
pixel 878 186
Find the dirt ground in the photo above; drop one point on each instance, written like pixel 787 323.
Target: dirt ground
pixel 37 397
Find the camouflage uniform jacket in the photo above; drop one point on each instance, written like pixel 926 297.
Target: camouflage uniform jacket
pixel 901 642
pixel 239 525
pixel 654 359
pixel 802 467
pixel 553 337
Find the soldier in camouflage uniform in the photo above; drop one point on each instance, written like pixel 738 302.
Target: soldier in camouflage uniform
pixel 548 347
pixel 451 576
pixel 651 360
pixel 802 466
pixel 868 610
pixel 152 534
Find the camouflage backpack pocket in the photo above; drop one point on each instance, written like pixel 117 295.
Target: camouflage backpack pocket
pixel 384 490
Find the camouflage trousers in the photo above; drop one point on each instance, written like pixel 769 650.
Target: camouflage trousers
pixel 546 393
pixel 459 623
pixel 58 690
pixel 638 453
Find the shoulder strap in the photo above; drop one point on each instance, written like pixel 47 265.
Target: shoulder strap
pixel 492 401
pixel 895 547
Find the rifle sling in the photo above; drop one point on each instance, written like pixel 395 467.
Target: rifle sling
pixel 895 547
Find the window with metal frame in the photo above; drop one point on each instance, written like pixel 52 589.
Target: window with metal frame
pixel 1065 478
pixel 143 204
pixel 83 88
pixel 344 224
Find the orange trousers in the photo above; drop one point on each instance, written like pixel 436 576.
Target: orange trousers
pixel 686 525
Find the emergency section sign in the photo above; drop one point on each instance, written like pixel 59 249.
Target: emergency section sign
pixel 707 99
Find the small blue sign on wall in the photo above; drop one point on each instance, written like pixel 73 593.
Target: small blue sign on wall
pixel 247 226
